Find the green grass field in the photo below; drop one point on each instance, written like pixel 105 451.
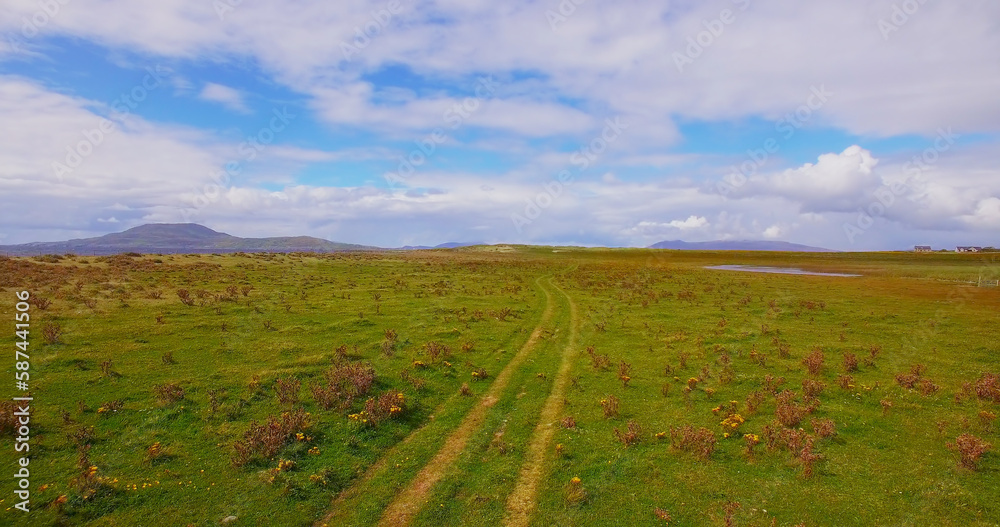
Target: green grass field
pixel 475 386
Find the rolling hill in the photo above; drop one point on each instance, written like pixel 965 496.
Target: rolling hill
pixel 740 245
pixel 178 238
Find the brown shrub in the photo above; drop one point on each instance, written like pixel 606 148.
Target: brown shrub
pixel 51 332
pixel 599 362
pixel 808 457
pixel 624 369
pixel 772 435
pixel 730 508
pixel 771 383
pixel 754 400
pixel 987 387
pixel 435 350
pixel 631 435
pixel 970 448
pixel 287 389
pixel 352 379
pixel 788 412
pixel 265 440
pixel 811 388
pixel 168 393
pixel 758 358
pixel 926 387
pixel 390 404
pixel 814 361
pixel 850 362
pixel 700 442
pixel 185 297
pixel 823 427
pixel 8 421
pixel 610 406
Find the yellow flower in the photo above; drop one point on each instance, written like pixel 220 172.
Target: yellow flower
pixel 575 480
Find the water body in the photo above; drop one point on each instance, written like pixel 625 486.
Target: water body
pixel 774 270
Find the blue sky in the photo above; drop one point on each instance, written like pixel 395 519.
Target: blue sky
pixel 610 124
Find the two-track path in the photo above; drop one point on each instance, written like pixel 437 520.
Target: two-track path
pixel 521 502
pixel 405 505
pixel 408 502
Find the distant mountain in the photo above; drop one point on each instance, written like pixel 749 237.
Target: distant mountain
pixel 448 245
pixel 741 245
pixel 178 238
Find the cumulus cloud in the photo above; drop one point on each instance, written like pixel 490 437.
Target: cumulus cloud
pixel 774 232
pixel 652 229
pixel 693 222
pixel 835 183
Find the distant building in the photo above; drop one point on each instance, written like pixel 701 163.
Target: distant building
pixel 968 249
pixel 922 249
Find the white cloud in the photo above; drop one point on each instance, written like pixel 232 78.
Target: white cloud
pixel 651 230
pixel 836 182
pixel 224 95
pixel 774 232
pixel 617 57
pixel 693 222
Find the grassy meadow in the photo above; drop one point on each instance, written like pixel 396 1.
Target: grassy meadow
pixel 508 385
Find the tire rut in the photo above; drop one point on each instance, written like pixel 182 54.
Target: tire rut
pixel 410 500
pixel 522 500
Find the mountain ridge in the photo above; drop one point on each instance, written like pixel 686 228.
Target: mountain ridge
pixel 738 245
pixel 195 238
pixel 180 238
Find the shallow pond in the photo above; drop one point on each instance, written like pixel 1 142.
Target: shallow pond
pixel 775 270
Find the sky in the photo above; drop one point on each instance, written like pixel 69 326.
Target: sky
pixel 852 125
